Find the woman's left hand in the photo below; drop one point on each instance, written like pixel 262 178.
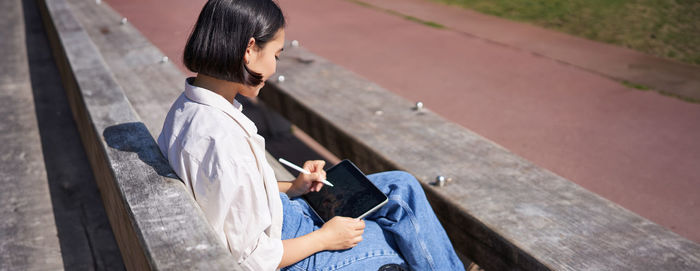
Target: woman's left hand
pixel 306 183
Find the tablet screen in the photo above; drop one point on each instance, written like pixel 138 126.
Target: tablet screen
pixel 352 194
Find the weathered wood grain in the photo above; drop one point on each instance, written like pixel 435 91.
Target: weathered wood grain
pixel 28 235
pixel 500 210
pixel 84 232
pixel 156 222
pixel 150 85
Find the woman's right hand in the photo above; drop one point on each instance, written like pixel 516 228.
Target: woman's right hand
pixel 342 233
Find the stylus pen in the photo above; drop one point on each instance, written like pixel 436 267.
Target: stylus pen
pixel 297 168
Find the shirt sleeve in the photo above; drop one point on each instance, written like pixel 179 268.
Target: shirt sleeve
pixel 230 191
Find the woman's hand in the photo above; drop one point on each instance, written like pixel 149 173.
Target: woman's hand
pixel 338 233
pixel 342 233
pixel 306 183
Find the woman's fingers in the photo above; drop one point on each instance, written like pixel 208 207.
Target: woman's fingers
pixel 353 242
pixel 317 173
pixel 318 186
pixel 357 240
pixel 313 181
pixel 319 165
pixel 360 224
pixel 314 165
pixel 345 232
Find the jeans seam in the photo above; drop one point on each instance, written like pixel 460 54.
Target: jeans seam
pixel 412 218
pixel 383 253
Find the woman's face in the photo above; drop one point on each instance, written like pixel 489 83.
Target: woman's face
pixel 263 61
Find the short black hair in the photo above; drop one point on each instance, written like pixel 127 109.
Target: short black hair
pixel 219 40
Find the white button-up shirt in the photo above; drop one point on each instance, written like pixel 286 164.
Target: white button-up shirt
pixel 217 153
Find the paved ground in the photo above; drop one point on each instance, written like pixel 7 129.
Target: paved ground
pixel 52 213
pixel 639 149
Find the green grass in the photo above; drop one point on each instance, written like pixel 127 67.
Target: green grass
pixel 674 95
pixel 665 28
pixel 665 93
pixel 634 85
pixel 427 23
pixel 407 17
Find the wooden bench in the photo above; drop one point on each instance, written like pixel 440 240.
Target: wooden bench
pixel 156 223
pixel 499 209
pixel 29 236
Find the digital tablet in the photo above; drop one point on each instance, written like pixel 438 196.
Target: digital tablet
pixel 352 194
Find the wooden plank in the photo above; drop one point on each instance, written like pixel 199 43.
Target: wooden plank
pixel 150 85
pixel 500 210
pixel 156 222
pixel 28 235
pixel 84 233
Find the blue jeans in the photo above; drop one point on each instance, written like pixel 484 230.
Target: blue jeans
pixel 405 231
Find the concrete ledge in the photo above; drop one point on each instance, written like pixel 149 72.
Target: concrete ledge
pixel 156 222
pixel 499 209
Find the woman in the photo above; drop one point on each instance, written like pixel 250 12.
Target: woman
pixel 218 154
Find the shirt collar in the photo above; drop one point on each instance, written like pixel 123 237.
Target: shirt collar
pixel 210 98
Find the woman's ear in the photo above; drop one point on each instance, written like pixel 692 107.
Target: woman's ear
pixel 249 51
